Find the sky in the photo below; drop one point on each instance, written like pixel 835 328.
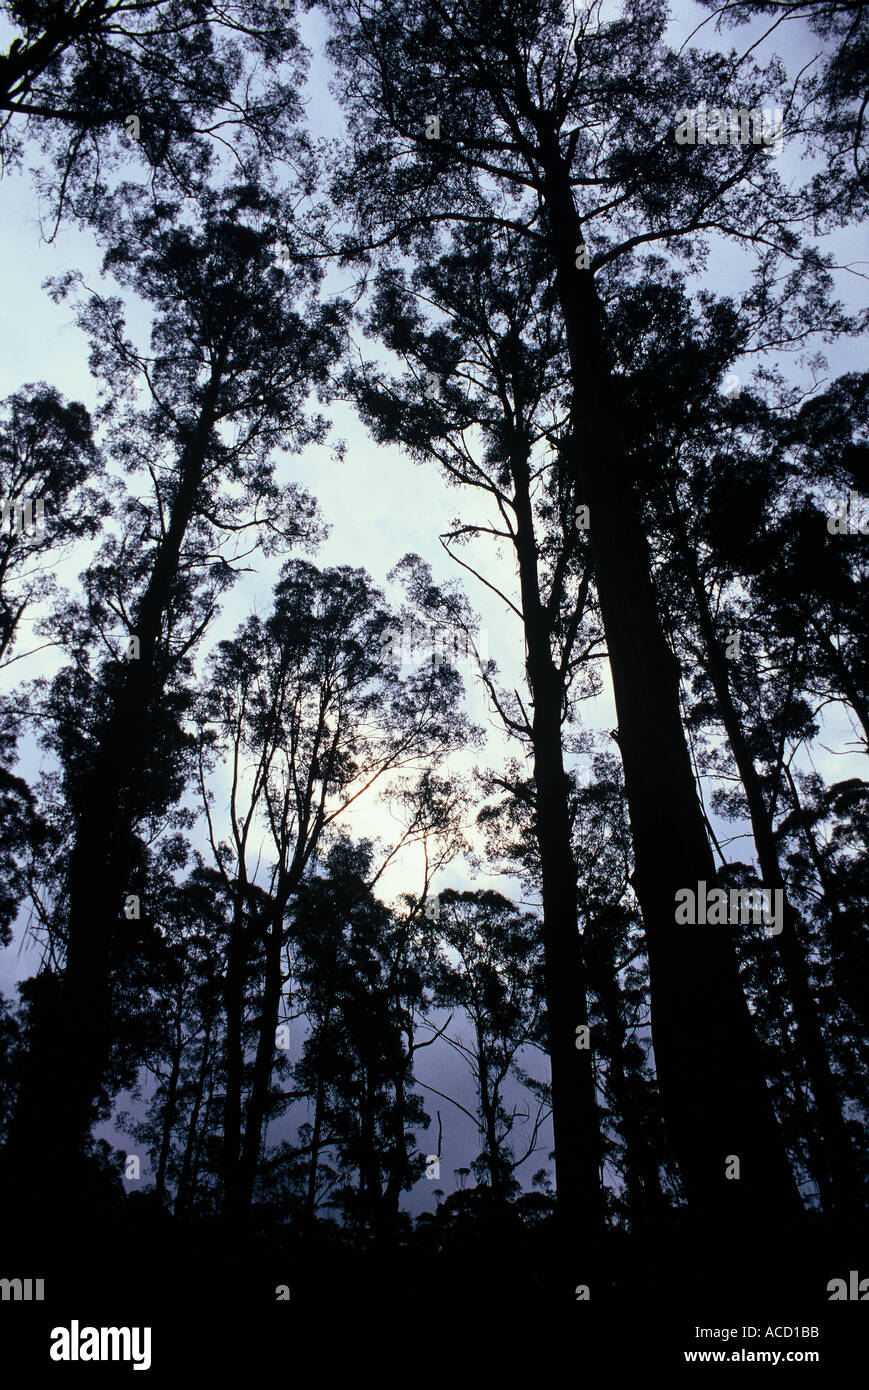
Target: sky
pixel 379 506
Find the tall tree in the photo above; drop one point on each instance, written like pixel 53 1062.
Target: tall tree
pixel 485 317
pixel 304 700
pixel 544 125
pixel 238 344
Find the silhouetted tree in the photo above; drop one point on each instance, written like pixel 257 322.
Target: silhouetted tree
pixel 545 120
pixel 237 346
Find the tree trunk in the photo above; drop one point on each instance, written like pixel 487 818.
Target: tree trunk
pixel 706 1052
pixel 836 1173
pixel 641 1162
pixel 311 1198
pixel 256 1111
pixel 233 1004
pixel 574 1108
pixel 98 879
pixel 182 1196
pixel 169 1112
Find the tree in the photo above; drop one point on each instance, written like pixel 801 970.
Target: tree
pixel 180 83
pixel 314 717
pixel 490 965
pixel 499 350
pixel 355 984
pixel 182 1021
pixel 238 344
pixel 544 128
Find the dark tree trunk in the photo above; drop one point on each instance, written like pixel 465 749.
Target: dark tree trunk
pixel 233 1004
pixel 170 1110
pixel 574 1108
pixel 316 1135
pixel 836 1170
pixel 256 1111
pixel 706 1053
pixel 102 859
pixel 182 1196
pixel 641 1161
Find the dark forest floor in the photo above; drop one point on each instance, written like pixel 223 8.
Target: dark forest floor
pixel 495 1302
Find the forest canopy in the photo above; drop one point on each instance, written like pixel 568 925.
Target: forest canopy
pixel 433 638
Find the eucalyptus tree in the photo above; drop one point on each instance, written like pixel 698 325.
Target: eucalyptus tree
pixel 309 718
pixel 357 980
pixel 176 85
pixel 238 345
pixel 636 1150
pixel 725 567
pixel 490 966
pixel 183 1028
pixel 481 320
pixel 562 127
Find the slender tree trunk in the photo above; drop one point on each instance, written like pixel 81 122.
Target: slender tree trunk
pixel 397 1154
pixel 575 1118
pixel 836 1172
pixel 233 1004
pixel 311 1197
pixel 182 1196
pixel 170 1110
pixel 706 1052
pixel 641 1170
pixel 256 1111
pixel 488 1107
pixel 200 1137
pixel 369 1159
